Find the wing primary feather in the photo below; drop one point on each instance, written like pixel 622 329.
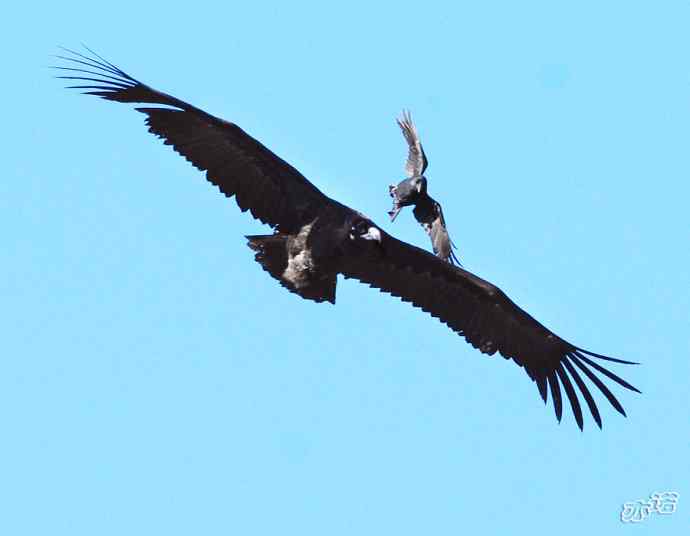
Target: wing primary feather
pixel 585 392
pixel 607 358
pixel 89 87
pixel 572 395
pixel 122 85
pixel 96 73
pixel 103 94
pixel 602 387
pixel 104 91
pixel 607 373
pixel 556 395
pixel 541 385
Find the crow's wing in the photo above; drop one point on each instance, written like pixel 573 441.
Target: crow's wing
pixel 416 159
pixel 440 239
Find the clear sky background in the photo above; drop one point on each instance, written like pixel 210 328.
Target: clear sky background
pixel 154 380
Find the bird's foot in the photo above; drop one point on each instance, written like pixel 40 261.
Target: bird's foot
pixel 392 189
pixel 394 212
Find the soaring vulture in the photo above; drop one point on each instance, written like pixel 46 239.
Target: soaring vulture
pixel 413 191
pixel 315 238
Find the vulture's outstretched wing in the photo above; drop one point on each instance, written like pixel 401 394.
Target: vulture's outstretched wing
pixel 416 159
pixel 488 320
pixel 263 183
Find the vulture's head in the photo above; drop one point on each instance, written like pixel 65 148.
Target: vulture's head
pixel 362 233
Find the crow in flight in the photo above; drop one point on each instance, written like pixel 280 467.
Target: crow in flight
pixel 413 191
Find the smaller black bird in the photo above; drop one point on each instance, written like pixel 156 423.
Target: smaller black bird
pixel 413 191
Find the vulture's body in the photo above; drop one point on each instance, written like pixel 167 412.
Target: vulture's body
pixel 315 238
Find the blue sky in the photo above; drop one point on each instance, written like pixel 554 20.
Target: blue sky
pixel 155 381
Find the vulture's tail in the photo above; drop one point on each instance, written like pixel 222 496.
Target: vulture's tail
pixel 273 254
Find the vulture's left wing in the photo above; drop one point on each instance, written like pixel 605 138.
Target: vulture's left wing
pixel 274 191
pixel 488 320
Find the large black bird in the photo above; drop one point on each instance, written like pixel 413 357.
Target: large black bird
pixel 413 191
pixel 316 238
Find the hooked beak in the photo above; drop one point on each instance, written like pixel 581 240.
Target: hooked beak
pixel 372 234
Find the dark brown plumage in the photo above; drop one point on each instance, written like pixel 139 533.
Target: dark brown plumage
pixel 316 238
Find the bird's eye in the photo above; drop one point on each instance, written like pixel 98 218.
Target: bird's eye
pixel 360 227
